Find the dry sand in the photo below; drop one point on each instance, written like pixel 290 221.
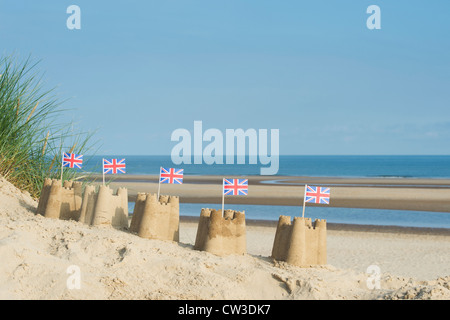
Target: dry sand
pixel 35 253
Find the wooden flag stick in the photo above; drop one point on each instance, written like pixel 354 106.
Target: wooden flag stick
pixel 223 196
pixel 159 183
pixel 304 199
pixel 62 166
pixel 103 170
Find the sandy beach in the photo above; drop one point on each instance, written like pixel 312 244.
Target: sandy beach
pixel 37 252
pixel 357 247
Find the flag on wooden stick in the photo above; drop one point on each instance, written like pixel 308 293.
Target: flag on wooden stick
pixel 113 166
pixel 170 175
pixel 319 195
pixel 233 187
pixel 70 160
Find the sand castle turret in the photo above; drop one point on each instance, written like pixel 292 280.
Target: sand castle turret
pixel 59 201
pixel 103 208
pixel 156 218
pixel 300 243
pixel 221 235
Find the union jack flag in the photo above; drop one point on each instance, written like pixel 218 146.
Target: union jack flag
pixel 235 187
pixel 113 166
pixel 171 175
pixel 317 195
pixel 72 160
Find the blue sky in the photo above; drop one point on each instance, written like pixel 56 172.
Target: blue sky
pixel 138 70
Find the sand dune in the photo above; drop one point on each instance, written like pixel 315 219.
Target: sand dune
pixel 36 253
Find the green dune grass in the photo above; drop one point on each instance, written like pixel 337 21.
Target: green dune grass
pixel 33 134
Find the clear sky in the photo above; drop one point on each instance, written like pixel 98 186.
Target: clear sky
pixel 138 70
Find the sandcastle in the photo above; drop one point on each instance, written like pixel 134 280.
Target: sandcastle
pixel 221 235
pixel 300 243
pixel 156 218
pixel 59 201
pixel 104 208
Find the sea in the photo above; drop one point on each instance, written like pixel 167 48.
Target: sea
pixel 437 167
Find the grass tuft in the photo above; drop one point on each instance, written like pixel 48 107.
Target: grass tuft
pixel 32 136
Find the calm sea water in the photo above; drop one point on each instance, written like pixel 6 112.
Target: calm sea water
pixel 402 218
pixel 333 166
pixel 328 166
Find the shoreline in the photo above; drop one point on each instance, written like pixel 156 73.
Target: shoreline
pixel 344 227
pixel 293 180
pixel 383 193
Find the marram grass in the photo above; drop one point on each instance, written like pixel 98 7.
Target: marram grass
pixel 32 136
